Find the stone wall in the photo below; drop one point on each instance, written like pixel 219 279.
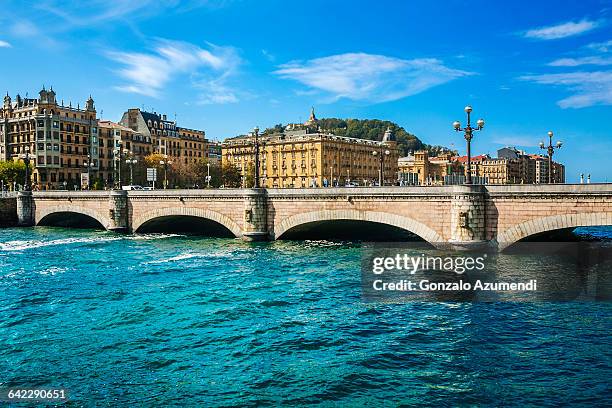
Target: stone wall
pixel 8 212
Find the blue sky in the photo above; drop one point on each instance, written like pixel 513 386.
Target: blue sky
pixel 226 66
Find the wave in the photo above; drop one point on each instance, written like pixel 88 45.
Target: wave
pixel 150 237
pixel 52 271
pixel 25 245
pixel 180 257
pixel 189 255
pixel 18 245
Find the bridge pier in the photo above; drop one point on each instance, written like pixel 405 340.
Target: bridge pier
pixel 118 211
pixel 255 222
pixel 468 217
pixel 25 209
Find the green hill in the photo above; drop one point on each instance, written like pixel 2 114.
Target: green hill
pixel 371 129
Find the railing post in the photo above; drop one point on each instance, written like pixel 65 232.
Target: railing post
pixel 255 223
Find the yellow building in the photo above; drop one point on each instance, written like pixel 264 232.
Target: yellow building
pixel 193 145
pixel 61 139
pixel 420 169
pixel 304 157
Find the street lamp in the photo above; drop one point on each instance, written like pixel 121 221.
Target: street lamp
pixel 117 163
pixel 165 163
pixel 256 133
pixel 381 159
pixel 89 165
pixel 131 161
pixel 26 161
pixel 208 175
pixel 551 150
pixel 468 132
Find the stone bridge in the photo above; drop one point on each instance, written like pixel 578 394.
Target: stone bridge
pixel 458 216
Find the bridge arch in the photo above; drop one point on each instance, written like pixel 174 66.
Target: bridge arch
pixel 551 223
pixel 394 220
pixel 222 219
pixel 45 212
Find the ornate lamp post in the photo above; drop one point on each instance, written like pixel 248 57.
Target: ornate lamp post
pixel 208 175
pixel 89 165
pixel 551 150
pixel 131 161
pixel 381 158
pixel 26 161
pixel 468 133
pixel 117 165
pixel 165 163
pixel 256 134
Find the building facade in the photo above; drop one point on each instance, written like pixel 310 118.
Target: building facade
pixel 420 169
pixel 511 166
pixel 117 143
pixel 184 144
pixel 62 140
pixel 303 156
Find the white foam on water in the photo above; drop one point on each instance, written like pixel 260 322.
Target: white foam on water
pixel 150 237
pixel 52 271
pixel 190 255
pixel 25 245
pixel 180 257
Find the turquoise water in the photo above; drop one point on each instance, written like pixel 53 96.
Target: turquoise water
pixel 183 321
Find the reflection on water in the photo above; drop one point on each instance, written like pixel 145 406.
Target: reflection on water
pixel 163 319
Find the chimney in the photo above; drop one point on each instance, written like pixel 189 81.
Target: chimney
pixel 164 117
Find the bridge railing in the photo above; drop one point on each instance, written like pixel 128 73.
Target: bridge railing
pixel 8 194
pixel 526 189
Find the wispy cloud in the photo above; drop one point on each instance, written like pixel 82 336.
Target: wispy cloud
pixel 268 56
pixel 76 13
pixel 368 77
pixel 605 46
pixel 563 30
pixel 149 73
pixel 574 62
pixel 4 44
pixel 589 88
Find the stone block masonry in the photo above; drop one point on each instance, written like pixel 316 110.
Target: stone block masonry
pixel 460 217
pixel 8 212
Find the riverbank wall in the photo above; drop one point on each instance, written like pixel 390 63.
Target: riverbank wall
pixel 8 211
